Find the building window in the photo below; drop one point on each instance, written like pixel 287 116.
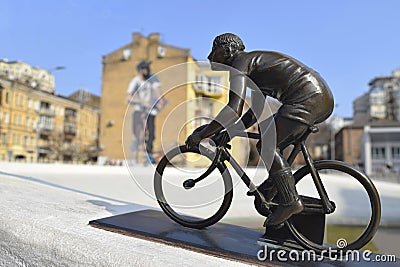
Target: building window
pixel 46 122
pixel 17 120
pixel 208 84
pixel 395 152
pixel 4 138
pixel 6 118
pixel 378 153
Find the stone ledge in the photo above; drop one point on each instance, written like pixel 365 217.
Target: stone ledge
pixel 46 226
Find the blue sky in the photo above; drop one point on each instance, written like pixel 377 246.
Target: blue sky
pixel 347 42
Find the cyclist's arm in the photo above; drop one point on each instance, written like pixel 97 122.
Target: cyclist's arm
pixel 131 96
pixel 232 111
pixel 247 120
pixel 253 114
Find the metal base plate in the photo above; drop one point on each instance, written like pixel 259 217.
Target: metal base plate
pixel 220 240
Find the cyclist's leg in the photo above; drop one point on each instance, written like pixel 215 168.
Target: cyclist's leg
pixel 150 137
pixel 137 126
pixel 280 172
pixel 269 147
pixel 139 134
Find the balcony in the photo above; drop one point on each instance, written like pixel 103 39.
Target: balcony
pixel 70 115
pixel 210 90
pixel 210 86
pixel 70 118
pixel 46 129
pixel 70 130
pixel 47 112
pixel 44 150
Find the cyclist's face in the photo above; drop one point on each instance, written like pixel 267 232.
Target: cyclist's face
pixel 144 71
pixel 217 55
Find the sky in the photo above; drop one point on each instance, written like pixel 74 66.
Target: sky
pixel 348 42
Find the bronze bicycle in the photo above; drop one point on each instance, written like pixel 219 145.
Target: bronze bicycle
pixel 311 173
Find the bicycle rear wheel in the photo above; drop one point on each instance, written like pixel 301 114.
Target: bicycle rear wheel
pixel 200 206
pixel 358 209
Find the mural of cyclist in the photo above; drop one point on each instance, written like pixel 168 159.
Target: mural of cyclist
pixel 144 94
pixel 305 97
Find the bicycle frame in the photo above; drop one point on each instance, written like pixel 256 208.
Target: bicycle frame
pixel 222 154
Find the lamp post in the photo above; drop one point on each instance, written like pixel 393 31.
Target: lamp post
pixel 332 137
pixel 57 68
pixel 38 138
pixel 51 71
pixel 333 129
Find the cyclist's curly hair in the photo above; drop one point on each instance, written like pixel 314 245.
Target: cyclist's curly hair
pixel 229 40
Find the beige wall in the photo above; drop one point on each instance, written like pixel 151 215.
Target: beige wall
pixel 348 145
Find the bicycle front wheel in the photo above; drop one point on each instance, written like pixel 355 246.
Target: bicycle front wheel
pixel 357 206
pixel 200 206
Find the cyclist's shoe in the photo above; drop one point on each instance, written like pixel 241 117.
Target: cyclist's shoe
pixel 290 203
pixel 267 188
pixel 284 212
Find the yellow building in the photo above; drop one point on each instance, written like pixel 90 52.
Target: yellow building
pixel 195 94
pixel 36 78
pixel 36 125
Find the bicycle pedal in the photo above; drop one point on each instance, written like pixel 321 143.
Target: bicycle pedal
pixel 250 193
pixel 274 227
pixel 279 226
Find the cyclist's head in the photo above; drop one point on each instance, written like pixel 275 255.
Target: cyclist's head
pixel 144 68
pixel 231 43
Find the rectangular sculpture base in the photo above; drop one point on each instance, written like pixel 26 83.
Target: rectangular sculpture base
pixel 311 226
pixel 220 240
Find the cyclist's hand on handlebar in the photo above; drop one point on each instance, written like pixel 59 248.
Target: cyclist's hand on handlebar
pixel 193 140
pixel 200 128
pixel 217 139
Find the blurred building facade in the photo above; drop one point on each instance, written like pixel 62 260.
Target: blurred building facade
pixel 382 101
pixel 372 141
pixel 34 77
pixel 38 126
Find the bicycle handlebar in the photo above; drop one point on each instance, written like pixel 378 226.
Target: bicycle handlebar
pixel 228 136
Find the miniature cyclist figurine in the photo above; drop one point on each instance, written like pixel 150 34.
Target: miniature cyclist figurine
pixel 305 97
